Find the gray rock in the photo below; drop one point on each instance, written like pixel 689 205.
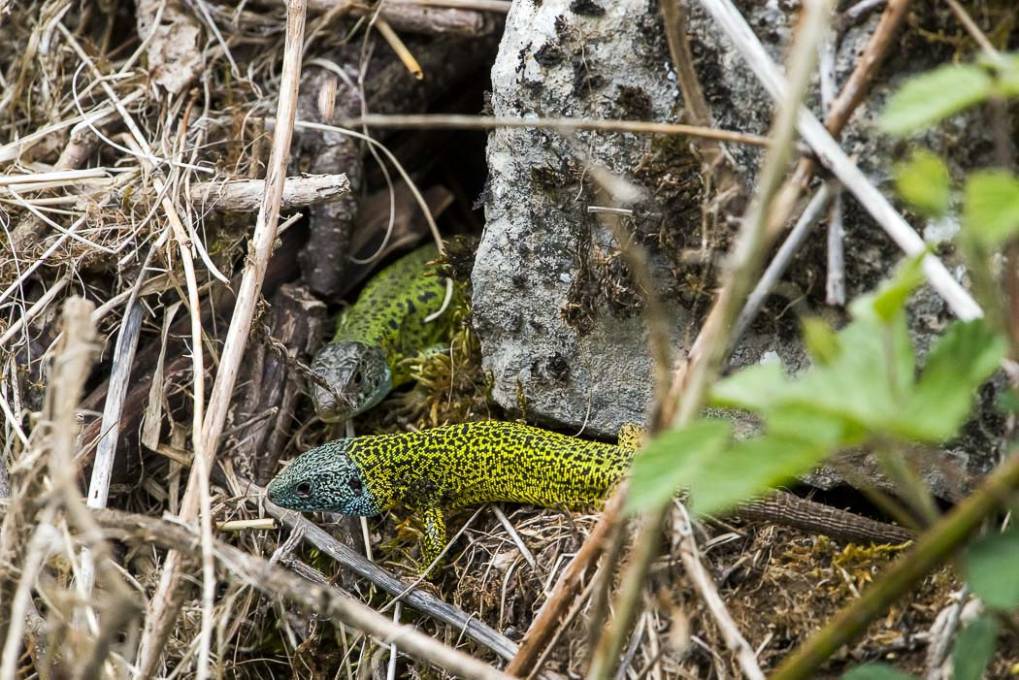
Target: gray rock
pixel 550 336
pixel 557 313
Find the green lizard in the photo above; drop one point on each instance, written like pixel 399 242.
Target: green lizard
pixel 398 314
pixel 450 467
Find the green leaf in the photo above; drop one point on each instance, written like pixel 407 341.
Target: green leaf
pixel 991 211
pixel 754 388
pixel 670 461
pixel 935 95
pixel 923 182
pixel 865 384
pixel 876 671
pixel 821 340
pixel 991 569
pixel 749 468
pixel 804 422
pixel 963 358
pixel 974 649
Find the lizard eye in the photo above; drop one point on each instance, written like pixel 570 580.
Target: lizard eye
pixel 355 485
pixel 357 378
pixel 303 489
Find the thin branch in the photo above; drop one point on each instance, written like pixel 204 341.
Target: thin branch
pixel 500 6
pixel 835 275
pixel 399 47
pixel 783 258
pixel 860 80
pixel 102 468
pixel 460 122
pixel 835 282
pixel 677 34
pixel 971 27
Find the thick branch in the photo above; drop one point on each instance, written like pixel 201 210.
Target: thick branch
pixel 245 195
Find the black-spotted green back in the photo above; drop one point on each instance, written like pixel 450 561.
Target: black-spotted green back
pixel 392 309
pixel 399 314
pixel 488 461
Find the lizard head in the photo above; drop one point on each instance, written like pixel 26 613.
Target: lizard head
pixel 350 378
pixel 324 479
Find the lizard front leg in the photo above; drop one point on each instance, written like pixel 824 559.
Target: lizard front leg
pixel 434 539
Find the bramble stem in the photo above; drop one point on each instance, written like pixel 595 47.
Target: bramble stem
pixel 932 549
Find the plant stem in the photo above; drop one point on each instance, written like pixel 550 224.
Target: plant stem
pixel 932 549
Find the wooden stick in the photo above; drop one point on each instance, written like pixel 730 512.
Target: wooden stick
pixel 415 18
pixel 401 49
pixel 245 195
pixel 461 122
pixel 102 469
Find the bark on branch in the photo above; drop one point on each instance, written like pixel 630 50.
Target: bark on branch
pixel 245 195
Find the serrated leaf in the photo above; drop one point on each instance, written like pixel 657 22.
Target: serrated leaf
pixel 974 648
pixel 963 358
pixel 670 461
pixel 991 210
pixel 930 97
pixel 821 340
pixel 876 671
pixel 991 569
pixel 865 384
pixel 860 391
pixel 749 468
pixel 923 182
